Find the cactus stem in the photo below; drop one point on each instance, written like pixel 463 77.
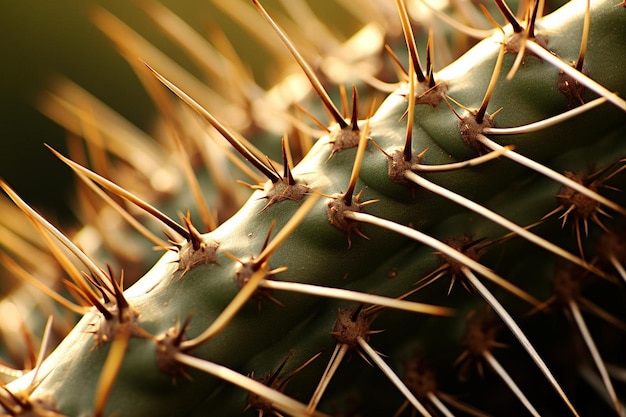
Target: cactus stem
pixel 279 400
pixel 560 178
pixel 289 227
pixel 443 248
pixel 509 225
pixel 357 296
pixel 246 292
pixel 389 373
pixel 576 75
pixel 260 272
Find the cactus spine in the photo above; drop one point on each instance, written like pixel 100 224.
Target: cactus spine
pixel 325 254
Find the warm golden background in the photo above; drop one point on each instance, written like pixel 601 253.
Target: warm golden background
pixel 39 39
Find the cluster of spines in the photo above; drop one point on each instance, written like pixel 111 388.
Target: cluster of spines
pixel 104 292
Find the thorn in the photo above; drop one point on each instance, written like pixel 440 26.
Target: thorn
pixel 314 119
pixel 519 334
pixel 410 40
pixel 442 248
pixel 581 78
pixel 306 68
pixel 333 364
pixel 480 114
pixel 20 272
pixel 530 29
pixel 114 188
pixel 144 231
pixel 495 365
pixel 430 59
pixel 595 354
pixel 343 99
pixel 545 123
pixel 354 119
pixel 560 178
pixel 509 16
pixel 585 38
pixel 357 296
pixel 163 103
pixel 45 339
pixel 42 224
pixel 403 73
pixel 195 45
pixel 111 368
pixel 392 376
pixel 287 160
pixel 358 159
pixel 279 400
pixel 236 143
pixel 453 166
pixel 496 218
pixel 252 283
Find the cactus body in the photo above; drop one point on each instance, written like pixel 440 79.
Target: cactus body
pixel 346 253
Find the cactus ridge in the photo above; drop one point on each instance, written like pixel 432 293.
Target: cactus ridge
pixel 500 172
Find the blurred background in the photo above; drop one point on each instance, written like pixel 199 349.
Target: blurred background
pixel 42 39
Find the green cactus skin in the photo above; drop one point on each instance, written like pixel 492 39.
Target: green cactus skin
pixel 262 334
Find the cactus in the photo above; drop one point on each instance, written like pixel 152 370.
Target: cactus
pixel 334 289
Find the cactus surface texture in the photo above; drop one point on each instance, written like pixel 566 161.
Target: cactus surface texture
pixel 451 243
